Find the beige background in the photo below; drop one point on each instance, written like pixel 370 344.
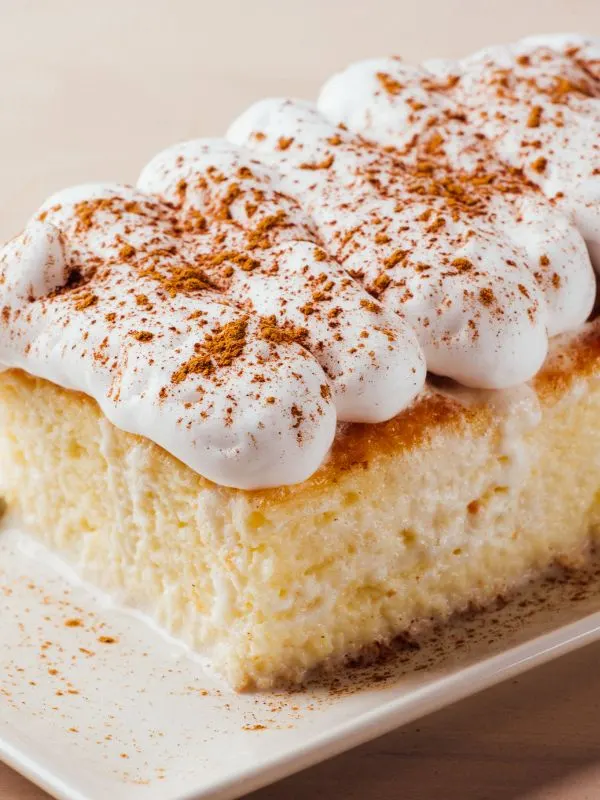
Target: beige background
pixel 90 90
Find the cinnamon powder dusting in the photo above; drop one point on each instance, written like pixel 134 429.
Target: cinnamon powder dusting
pixel 380 284
pixel 539 165
pixel 127 251
pixel 142 336
pixel 391 85
pixel 219 349
pixel 325 391
pixel 487 296
pixel 258 238
pixel 369 305
pixel 324 164
pixel 86 301
pixel 535 116
pixel 462 264
pixel 184 278
pixel 270 331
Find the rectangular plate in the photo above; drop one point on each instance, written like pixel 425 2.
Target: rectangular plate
pixel 96 704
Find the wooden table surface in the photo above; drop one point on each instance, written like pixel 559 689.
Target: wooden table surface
pixel 89 91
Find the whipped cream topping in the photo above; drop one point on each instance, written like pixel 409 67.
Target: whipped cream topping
pixel 251 293
pixel 372 359
pixel 532 106
pixel 482 272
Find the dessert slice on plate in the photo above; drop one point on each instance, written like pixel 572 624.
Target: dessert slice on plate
pixel 214 400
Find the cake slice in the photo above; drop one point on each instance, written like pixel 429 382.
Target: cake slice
pixel 214 402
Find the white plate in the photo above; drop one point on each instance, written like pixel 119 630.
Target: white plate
pixel 86 718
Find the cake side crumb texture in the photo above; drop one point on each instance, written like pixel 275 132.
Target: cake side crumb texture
pixel 272 583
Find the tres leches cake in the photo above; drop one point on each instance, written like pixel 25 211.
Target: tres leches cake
pixel 214 397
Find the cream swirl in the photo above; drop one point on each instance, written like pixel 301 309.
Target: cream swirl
pixel 437 259
pixel 533 106
pixel 372 359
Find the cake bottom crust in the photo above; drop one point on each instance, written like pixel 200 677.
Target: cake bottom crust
pixel 488 490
